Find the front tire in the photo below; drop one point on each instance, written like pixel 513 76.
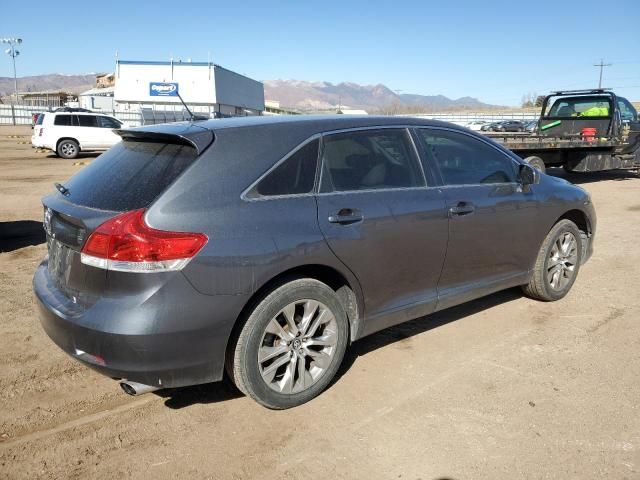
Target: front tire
pixel 557 264
pixel 68 149
pixel 291 345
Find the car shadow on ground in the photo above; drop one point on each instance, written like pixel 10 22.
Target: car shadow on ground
pixel 19 234
pixel 81 156
pixel 591 177
pixel 403 331
pixel 178 398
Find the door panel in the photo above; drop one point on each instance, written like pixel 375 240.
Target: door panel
pixel 381 220
pixel 492 217
pixel 396 251
pixel 489 245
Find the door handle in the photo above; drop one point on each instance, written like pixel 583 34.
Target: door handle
pixel 461 209
pixel 346 216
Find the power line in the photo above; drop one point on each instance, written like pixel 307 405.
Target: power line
pixel 602 65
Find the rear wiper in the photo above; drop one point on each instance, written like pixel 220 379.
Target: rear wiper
pixel 62 189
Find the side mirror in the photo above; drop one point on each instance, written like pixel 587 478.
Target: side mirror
pixel 529 175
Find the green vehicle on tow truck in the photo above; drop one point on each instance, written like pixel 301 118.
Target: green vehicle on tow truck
pixel 582 131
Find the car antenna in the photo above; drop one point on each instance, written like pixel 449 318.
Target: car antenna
pixel 191 115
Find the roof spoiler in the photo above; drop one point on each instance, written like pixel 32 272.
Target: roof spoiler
pixel 192 136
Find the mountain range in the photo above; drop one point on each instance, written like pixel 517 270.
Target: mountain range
pixel 50 82
pixel 304 95
pixel 295 94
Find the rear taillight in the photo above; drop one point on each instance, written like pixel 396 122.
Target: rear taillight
pixel 41 132
pixel 126 243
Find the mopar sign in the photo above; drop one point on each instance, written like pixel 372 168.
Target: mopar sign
pixel 163 89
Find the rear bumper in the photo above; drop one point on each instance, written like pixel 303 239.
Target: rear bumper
pixel 171 338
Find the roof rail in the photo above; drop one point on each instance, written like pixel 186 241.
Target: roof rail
pixel 584 91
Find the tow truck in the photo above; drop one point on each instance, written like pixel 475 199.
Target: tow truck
pixel 581 131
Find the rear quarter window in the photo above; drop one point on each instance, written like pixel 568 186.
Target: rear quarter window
pixel 295 175
pixel 130 175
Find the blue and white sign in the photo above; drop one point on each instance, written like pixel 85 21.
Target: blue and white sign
pixel 157 89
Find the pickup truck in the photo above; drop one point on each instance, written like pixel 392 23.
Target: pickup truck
pixel 582 131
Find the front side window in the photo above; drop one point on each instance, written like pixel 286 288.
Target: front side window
pixel 87 121
pixel 294 176
pixel 627 112
pixel 464 160
pixel 369 160
pixel 108 122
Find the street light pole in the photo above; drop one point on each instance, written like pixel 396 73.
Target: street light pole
pixel 15 77
pixel 13 53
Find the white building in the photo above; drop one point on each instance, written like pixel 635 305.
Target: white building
pixel 206 88
pixel 97 99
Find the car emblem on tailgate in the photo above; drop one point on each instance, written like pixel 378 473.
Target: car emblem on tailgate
pixel 47 221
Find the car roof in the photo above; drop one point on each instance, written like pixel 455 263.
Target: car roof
pixel 81 113
pixel 310 124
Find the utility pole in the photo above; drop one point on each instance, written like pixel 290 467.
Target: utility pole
pixel 602 65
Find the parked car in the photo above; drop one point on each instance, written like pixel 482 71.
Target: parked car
pixel 476 125
pixel 68 134
pixel 265 246
pixel 531 126
pixel 491 126
pixel 505 126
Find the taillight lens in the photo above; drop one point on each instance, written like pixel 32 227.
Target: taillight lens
pixel 41 132
pixel 126 243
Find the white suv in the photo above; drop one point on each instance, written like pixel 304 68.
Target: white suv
pixel 69 133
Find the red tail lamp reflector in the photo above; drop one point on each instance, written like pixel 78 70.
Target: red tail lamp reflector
pixel 126 243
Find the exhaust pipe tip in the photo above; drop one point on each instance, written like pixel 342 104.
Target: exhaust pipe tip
pixel 135 388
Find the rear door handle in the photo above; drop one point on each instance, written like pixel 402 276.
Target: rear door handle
pixel 462 208
pixel 346 216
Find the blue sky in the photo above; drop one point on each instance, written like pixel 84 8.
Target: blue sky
pixel 494 50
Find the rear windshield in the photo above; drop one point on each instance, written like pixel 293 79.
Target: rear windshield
pixel 580 107
pixel 130 175
pixel 40 119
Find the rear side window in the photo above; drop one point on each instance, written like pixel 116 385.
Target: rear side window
pixel 63 120
pixel 464 160
pixel 369 160
pixel 40 119
pixel 130 175
pixel 87 121
pixel 294 176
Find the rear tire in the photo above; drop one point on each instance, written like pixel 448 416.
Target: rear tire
pixel 68 149
pixel 536 162
pixel 557 264
pixel 291 345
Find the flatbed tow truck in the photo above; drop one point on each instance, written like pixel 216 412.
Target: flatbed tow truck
pixel 581 131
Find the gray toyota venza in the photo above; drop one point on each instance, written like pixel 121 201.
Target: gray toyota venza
pixel 262 247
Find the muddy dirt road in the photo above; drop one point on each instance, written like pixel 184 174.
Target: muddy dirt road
pixel 503 387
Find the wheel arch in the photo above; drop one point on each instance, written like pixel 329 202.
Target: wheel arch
pixel 348 293
pixel 579 218
pixel 583 223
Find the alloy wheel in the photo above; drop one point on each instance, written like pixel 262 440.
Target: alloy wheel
pixel 68 149
pixel 298 346
pixel 562 262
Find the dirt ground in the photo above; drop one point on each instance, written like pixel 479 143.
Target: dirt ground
pixel 503 387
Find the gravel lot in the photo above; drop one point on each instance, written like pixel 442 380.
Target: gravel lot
pixel 503 387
